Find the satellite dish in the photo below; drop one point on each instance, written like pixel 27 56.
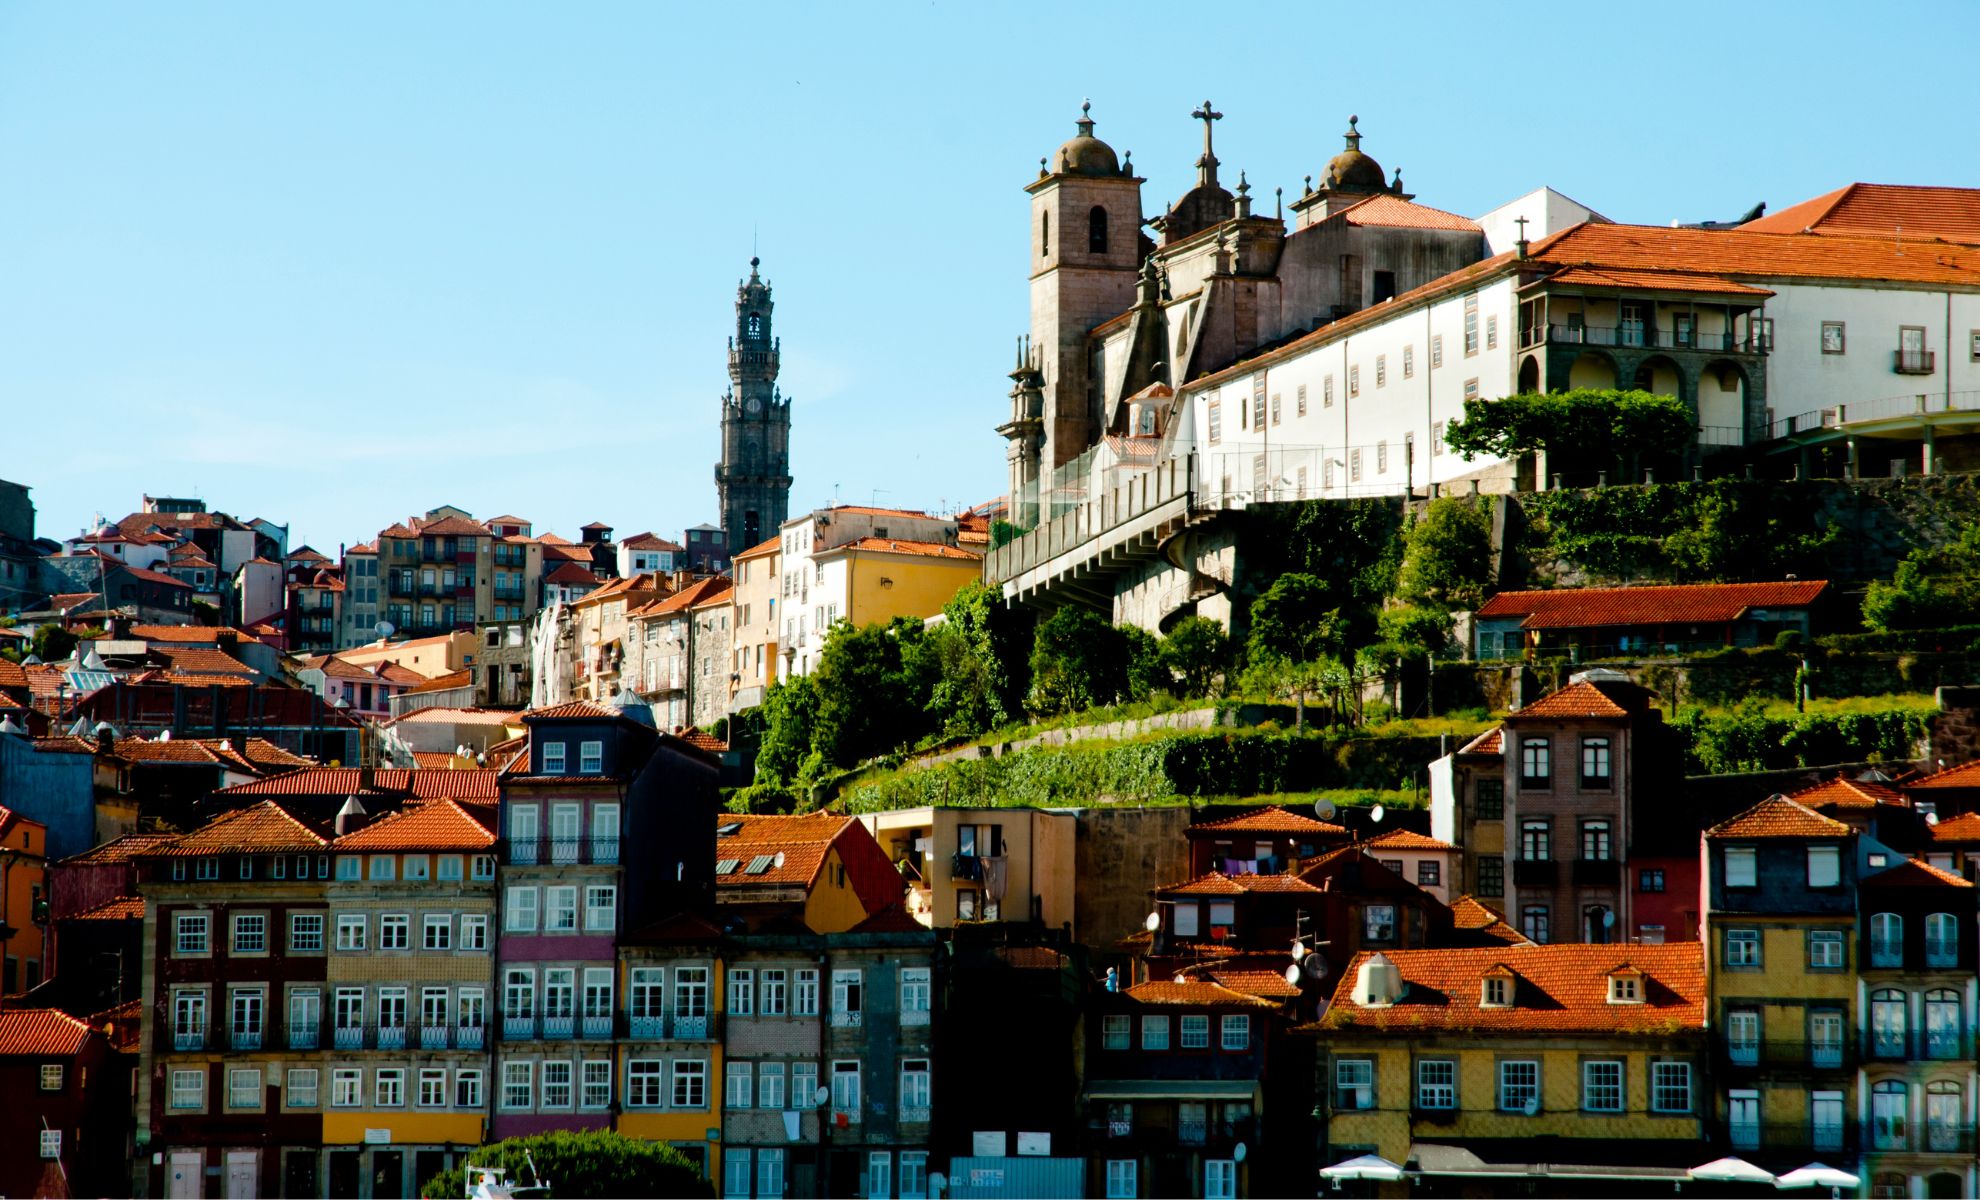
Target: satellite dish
pixel 1323 808
pixel 1316 966
pixel 819 1097
pixel 1375 814
pixel 778 862
pixel 1153 922
pixel 938 1181
pixel 1608 918
pixel 1292 975
pixel 1239 1151
pixel 1180 978
pixel 1298 950
pixel 385 629
pixel 1531 1106
pixel 1931 818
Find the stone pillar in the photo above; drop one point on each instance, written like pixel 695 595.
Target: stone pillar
pixel 1931 455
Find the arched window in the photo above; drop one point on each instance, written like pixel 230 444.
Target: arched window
pixel 1942 1023
pixel 755 325
pixel 1887 1025
pixel 1889 1105
pixel 1944 1115
pixel 1045 235
pixel 1886 940
pixel 1096 230
pixel 1941 940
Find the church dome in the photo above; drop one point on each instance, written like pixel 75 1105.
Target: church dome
pixel 1086 154
pixel 1351 170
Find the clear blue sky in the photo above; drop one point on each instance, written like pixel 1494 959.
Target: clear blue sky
pixel 335 264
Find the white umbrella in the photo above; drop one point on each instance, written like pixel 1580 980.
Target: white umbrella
pixel 1817 1175
pixel 1368 1166
pixel 1731 1170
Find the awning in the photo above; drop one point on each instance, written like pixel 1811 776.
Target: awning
pixel 1173 1089
pixel 1438 1158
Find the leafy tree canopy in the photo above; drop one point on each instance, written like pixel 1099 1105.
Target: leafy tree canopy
pixel 1078 661
pixel 1447 557
pixel 1595 422
pixel 1931 589
pixel 1197 653
pixel 1297 620
pixel 579 1166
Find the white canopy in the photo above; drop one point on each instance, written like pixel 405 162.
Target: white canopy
pixel 1817 1175
pixel 1368 1166
pixel 1731 1170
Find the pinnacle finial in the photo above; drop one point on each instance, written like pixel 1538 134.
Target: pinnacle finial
pixel 1353 134
pixel 1244 185
pixel 1085 122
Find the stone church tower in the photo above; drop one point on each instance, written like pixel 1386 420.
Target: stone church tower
pixel 753 480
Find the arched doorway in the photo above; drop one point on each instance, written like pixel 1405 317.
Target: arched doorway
pixel 1722 395
pixel 1529 374
pixel 1592 369
pixel 1946 1185
pixel 1660 375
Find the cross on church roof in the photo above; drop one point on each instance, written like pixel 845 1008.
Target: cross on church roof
pixel 1206 114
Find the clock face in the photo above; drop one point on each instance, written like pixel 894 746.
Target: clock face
pixel 755 405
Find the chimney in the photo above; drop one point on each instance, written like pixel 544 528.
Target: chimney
pixel 106 739
pixel 364 779
pixel 351 816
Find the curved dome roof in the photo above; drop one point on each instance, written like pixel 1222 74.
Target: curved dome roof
pixel 1086 154
pixel 1351 170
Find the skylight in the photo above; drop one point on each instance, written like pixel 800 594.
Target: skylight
pixel 760 864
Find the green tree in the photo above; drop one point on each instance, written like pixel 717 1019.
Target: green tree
pixel 52 642
pixel 979 655
pixel 1447 557
pixel 790 713
pixel 576 1166
pixel 872 698
pixel 1932 588
pixel 1078 661
pixel 1198 653
pixel 1297 628
pixel 1147 673
pixel 1597 423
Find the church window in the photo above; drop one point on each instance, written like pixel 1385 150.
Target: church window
pixel 1096 230
pixel 1045 235
pixel 755 325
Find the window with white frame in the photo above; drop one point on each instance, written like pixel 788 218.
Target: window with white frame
pixel 1195 1031
pixel 51 1077
pixel 1219 1179
pixel 467 1089
pixel 191 935
pixel 432 1087
pixel 774 992
pixel 1670 1087
pixel 1519 1085
pixel 384 867
pixel 915 1089
pixel 770 1085
pixel 601 908
pixel 244 1087
pixel 805 1001
pixel 189 1089
pixel 596 1083
pixel 848 996
pixel 1114 1031
pixel 1602 1086
pixel 519 913
pixel 560 909
pixel 51 1143
pixel 556 1083
pixel 1354 1083
pixel 845 1088
pixel 1436 1083
pixel 1154 1033
pixel 1743 949
pixel 305 932
pixel 690 1083
pixel 390 1085
pixel 553 758
pixel 299 1089
pixel 1121 1178
pixel 518 1085
pixel 916 992
pixel 250 933
pixel 346 1087
pixel 735 1172
pixel 436 931
pixel 350 931
pixel 395 931
pixel 1741 867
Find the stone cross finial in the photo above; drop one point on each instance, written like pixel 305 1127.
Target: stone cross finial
pixel 1206 114
pixel 1521 222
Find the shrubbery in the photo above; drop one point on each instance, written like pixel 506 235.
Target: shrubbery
pixel 580 1165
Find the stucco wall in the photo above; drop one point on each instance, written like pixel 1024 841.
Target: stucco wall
pixel 1118 855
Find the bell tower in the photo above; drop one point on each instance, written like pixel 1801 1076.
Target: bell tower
pixel 753 480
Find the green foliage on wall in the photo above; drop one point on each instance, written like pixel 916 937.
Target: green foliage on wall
pixel 1934 587
pixel 1723 529
pixel 1447 556
pixel 580 1165
pixel 1750 739
pixel 1593 423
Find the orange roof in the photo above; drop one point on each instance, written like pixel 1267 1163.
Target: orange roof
pixel 878 512
pixel 1394 211
pixel 1660 281
pixel 266 826
pixel 1492 741
pixel 1965 775
pixel 1779 817
pixel 1195 994
pixel 569 710
pixel 702 741
pixel 119 850
pixel 1881 210
pixel 803 841
pixel 1469 912
pixel 121 908
pixel 459 716
pixel 441 683
pixel 478 784
pixel 1680 604
pixel 768 546
pixel 571 572
pixel 1218 884
pixel 203 660
pixel 1846 793
pixel 433 825
pixel 892 919
pixel 189 633
pixel 1963 828
pixel 648 541
pixel 701 591
pixel 1406 839
pixel 1270 985
pixel 879 545
pixel 1915 872
pixel 1575 700
pixel 1268 820
pixel 41 1032
pixel 1558 989
pixel 1745 253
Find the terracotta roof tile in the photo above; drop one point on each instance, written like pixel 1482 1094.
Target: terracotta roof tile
pixel 461 716
pixel 203 660
pixel 1492 741
pixel 1270 985
pixel 1881 210
pixel 803 841
pixel 433 825
pixel 879 545
pixel 1744 253
pixel 1678 604
pixel 119 850
pixel 45 1032
pixel 1575 700
pixel 441 683
pixel 121 908
pixel 570 710
pixel 767 546
pixel 1915 872
pixel 1268 820
pixel 480 784
pixel 1558 989
pixel 1406 839
pixel 1965 775
pixel 1395 212
pixel 1659 281
pixel 1197 994
pixel 1779 817
pixel 1218 884
pixel 1963 828
pixel 189 633
pixel 1841 792
pixel 264 827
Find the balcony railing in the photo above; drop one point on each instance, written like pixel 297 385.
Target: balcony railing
pixel 1785 1053
pixel 1913 362
pixel 915 1114
pixel 244 1039
pixel 652 1027
pixel 1799 1137
pixel 392 1037
pixel 1536 872
pixel 563 1026
pixel 595 1027
pixel 691 1028
pixel 189 1038
pixel 1597 872
pixel 1645 336
pixel 595 851
pixel 847 1019
pixel 305 1035
pixel 347 1037
pixel 1919 1045
pixel 518 1028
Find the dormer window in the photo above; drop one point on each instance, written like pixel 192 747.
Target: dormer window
pixel 1496 990
pixel 1626 987
pixel 553 758
pixel 591 757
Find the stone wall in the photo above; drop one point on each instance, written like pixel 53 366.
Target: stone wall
pixel 1119 854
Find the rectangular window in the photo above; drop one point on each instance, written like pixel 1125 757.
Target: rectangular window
pixel 1491 876
pixel 299 1090
pixel 848 996
pixel 1491 800
pixel 350 931
pixel 805 1003
pixel 1429 873
pixel 1595 841
pixel 1470 324
pixel 591 757
pixel 770 1085
pixel 1824 866
pixel 557 1084
pixel 346 1087
pixel 560 909
pixel 1742 869
pixel 1354 465
pixel 601 909
pixel 1235 1033
pixel 1743 949
pixel 474 933
pixel 384 867
pixel 1409 362
pixel 244 1087
pixel 189 1089
pixel 915 1089
pixel 305 932
pixel 1114 1031
pixel 1536 768
pixel 467 1089
pixel 1354 381
pixel 1670 1087
pixel 1436 1084
pixel 1299 394
pixel 250 933
pixel 553 758
pixel 1381 370
pixel 191 934
pixel 394 931
pixel 518 1085
pixel 1536 922
pixel 1436 438
pixel 742 993
pixel 770 1173
pixel 51 1077
pixel 1354 1083
pixel 1650 879
pixel 391 1088
pixel 1595 764
pixel 916 994
pixel 1195 1031
pixel 690 1083
pixel 450 868
pixel 804 1084
pixel 774 992
pixel 1519 1086
pixel 1215 420
pixel 1154 1033
pixel 1492 332
pixel 1258 402
pixel 1832 337
pixel 1602 1086
pixel 519 914
pixel 1378 923
pixel 735 1172
pixel 1470 390
pixel 1382 458
pixel 1536 840
pixel 736 1091
pixel 433 1087
pixel 436 931
pixel 1219 1179
pixel 1327 392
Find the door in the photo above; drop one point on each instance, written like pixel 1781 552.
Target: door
pixel 345 1166
pixel 186 1175
pixel 299 1174
pixel 388 1174
pixel 243 1174
pixel 564 832
pixel 1632 325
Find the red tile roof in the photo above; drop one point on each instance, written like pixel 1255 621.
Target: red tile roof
pixel 1679 604
pixel 1575 700
pixel 480 784
pixel 1660 281
pixel 1395 212
pixel 1882 210
pixel 441 683
pixel 1745 254
pixel 879 545
pixel 571 710
pixel 701 591
pixel 867 510
pixel 703 741
pixel 1779 817
pixel 1406 839
pixel 258 830
pixel 203 660
pixel 1914 872
pixel 1846 793
pixel 648 541
pixel 1269 985
pixel 802 841
pixel 121 908
pixel 569 573
pixel 119 850
pixel 1218 884
pixel 1196 994
pixel 1268 820
pixel 1963 828
pixel 1965 775
pixel 434 825
pixel 189 633
pixel 1492 741
pixel 892 919
pixel 40 1032
pixel 1558 989
pixel 767 546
